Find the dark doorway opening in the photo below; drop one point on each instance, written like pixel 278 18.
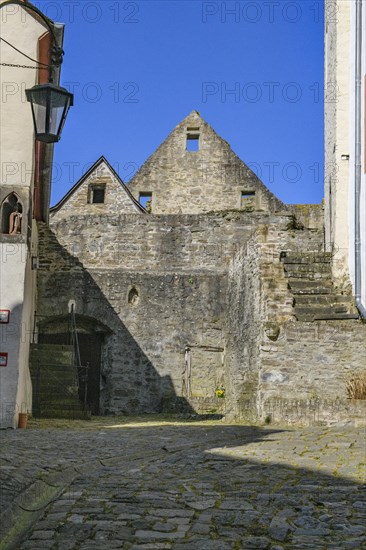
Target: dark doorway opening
pixel 90 354
pixel 90 346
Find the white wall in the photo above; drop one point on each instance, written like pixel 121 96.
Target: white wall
pixel 13 270
pixel 363 160
pixel 16 165
pixel 340 140
pixel 343 144
pixel 16 133
pixel 351 198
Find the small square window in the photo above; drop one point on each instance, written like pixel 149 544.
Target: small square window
pixel 193 142
pixel 247 200
pixel 145 199
pixel 98 195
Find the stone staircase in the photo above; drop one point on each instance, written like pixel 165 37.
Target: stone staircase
pixel 54 383
pixel 310 281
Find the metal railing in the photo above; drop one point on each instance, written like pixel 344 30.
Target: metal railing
pixel 49 386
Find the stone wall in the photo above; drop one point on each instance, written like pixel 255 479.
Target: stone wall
pixel 303 366
pixel 158 243
pixel 194 296
pixel 177 268
pixel 278 368
pixel 303 373
pixel 310 215
pixel 144 348
pixel 230 307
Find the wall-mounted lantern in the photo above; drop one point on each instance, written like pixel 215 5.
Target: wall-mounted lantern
pixel 50 105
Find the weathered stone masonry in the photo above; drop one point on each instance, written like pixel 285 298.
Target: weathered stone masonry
pixel 196 294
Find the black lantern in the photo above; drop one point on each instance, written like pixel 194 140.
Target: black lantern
pixel 50 105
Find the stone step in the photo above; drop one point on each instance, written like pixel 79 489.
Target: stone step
pixel 315 309
pixel 310 281
pixel 51 347
pixel 307 268
pixel 56 386
pixel 52 369
pixel 307 276
pixel 329 300
pixel 335 316
pixel 326 314
pixel 331 317
pixel 58 358
pixel 48 378
pixel 301 286
pixel 307 258
pixel 60 402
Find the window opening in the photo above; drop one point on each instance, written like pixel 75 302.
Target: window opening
pixel 145 199
pixel 133 296
pixel 98 195
pixel 193 143
pixel 193 140
pixel 247 200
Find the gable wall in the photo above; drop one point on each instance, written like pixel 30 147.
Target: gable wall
pixel 78 203
pixel 192 182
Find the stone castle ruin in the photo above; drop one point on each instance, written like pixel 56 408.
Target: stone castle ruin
pixel 195 289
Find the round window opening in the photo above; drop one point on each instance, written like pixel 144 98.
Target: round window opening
pixel 133 297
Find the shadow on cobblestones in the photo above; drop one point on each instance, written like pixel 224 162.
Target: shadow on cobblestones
pixel 193 486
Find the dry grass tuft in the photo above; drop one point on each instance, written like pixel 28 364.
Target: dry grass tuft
pixel 356 385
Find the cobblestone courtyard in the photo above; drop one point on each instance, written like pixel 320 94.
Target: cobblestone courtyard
pixel 155 483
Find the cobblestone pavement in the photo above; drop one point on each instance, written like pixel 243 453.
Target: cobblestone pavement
pixel 204 485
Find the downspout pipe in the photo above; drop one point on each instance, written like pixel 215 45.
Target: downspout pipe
pixel 358 70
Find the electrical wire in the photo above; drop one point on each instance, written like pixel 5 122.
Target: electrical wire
pixel 24 54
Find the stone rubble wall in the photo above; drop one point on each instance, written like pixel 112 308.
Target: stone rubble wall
pixel 215 284
pixel 243 329
pixel 143 357
pixel 158 243
pixel 304 372
pixel 310 215
pixel 283 369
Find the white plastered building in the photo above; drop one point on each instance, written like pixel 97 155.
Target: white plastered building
pixel 345 143
pixel 25 179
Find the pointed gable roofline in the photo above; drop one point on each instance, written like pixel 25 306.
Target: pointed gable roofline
pixel 193 118
pixel 100 161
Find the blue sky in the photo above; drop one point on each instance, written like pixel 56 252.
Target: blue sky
pixel 253 69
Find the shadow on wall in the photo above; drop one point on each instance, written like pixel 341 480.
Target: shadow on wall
pixel 127 379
